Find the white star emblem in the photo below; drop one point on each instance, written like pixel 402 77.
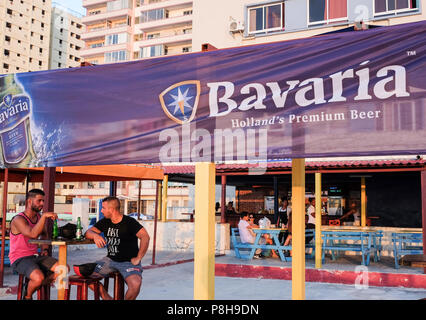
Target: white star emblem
pixel 181 101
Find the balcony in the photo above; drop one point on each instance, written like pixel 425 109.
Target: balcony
pixel 166 40
pixel 88 3
pixel 100 33
pixel 106 15
pixel 171 22
pixel 168 4
pixel 89 52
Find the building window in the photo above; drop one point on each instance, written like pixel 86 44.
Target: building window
pixel 116 39
pixel 186 49
pixel 266 18
pixel 382 7
pixel 153 15
pixel 116 56
pixel 153 51
pixel 327 11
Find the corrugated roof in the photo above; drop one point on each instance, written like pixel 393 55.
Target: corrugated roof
pixel 190 169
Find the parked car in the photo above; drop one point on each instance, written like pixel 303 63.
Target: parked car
pixel 141 216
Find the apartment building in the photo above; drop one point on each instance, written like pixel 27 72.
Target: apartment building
pixel 24 35
pixel 123 30
pixel 247 22
pixel 65 38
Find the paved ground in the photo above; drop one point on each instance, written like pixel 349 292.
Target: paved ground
pixel 175 282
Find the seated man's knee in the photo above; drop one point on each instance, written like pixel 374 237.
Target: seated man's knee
pixel 134 282
pixel 37 277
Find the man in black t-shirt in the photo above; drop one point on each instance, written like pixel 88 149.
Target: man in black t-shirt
pixel 122 234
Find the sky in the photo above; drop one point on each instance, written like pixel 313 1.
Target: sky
pixel 75 5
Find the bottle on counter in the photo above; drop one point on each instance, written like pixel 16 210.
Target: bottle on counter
pixel 55 232
pixel 79 232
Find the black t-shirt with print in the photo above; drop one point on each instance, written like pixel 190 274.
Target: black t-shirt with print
pixel 122 243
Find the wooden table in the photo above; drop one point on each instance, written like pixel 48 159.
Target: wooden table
pixel 414 260
pixel 273 233
pixel 62 259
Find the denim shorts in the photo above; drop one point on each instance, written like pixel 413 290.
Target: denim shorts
pixel 28 264
pixel 106 265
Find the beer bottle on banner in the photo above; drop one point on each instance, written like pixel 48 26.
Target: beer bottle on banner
pixel 55 231
pixel 15 108
pixel 79 232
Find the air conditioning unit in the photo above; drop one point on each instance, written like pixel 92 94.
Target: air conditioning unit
pixel 235 26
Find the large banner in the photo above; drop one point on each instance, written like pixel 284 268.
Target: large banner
pixel 341 94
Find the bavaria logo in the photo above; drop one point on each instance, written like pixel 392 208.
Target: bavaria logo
pixel 180 101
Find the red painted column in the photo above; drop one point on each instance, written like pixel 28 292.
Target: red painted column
pixel 3 225
pixel 423 178
pixel 49 176
pixel 223 201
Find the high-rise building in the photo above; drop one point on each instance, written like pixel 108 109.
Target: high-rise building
pixel 65 38
pixel 122 30
pixel 24 35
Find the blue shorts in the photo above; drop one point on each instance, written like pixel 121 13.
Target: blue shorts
pixel 106 266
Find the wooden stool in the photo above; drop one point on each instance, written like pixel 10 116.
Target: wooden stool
pixel 43 293
pixel 82 284
pixel 335 222
pixel 118 285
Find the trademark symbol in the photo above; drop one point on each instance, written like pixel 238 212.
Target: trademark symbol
pixel 411 53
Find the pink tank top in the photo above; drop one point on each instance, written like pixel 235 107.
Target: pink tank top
pixel 19 246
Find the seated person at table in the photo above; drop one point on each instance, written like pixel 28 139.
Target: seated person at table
pixel 246 233
pixel 352 215
pixel 308 226
pixel 230 208
pixel 24 257
pixel 122 234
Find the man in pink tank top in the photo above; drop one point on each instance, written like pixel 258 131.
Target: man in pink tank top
pixel 24 257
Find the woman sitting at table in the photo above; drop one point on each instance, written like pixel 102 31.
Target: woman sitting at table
pixel 247 235
pixel 266 236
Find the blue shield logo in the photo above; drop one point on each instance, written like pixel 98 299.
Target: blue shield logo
pixel 180 101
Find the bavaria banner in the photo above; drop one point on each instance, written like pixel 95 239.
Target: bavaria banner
pixel 338 94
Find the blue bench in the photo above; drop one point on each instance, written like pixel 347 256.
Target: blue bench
pixel 406 243
pixel 6 253
pixel 238 245
pixel 336 241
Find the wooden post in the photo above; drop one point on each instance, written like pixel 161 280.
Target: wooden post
pixel 157 207
pixel 423 193
pixel 276 214
pixel 204 237
pixel 3 225
pixel 318 220
pixel 49 199
pixel 139 199
pixel 164 199
pixel 298 229
pixel 223 200
pixel 363 203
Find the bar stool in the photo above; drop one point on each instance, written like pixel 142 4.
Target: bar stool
pixel 43 293
pixel 82 284
pixel 118 285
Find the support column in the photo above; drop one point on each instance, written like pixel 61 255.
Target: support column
pixel 363 203
pixel 423 192
pixel 275 200
pixel 223 201
pixel 3 225
pixel 164 199
pixel 113 188
pixel 204 237
pixel 157 206
pixel 298 229
pixel 139 200
pixel 318 220
pixel 49 176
